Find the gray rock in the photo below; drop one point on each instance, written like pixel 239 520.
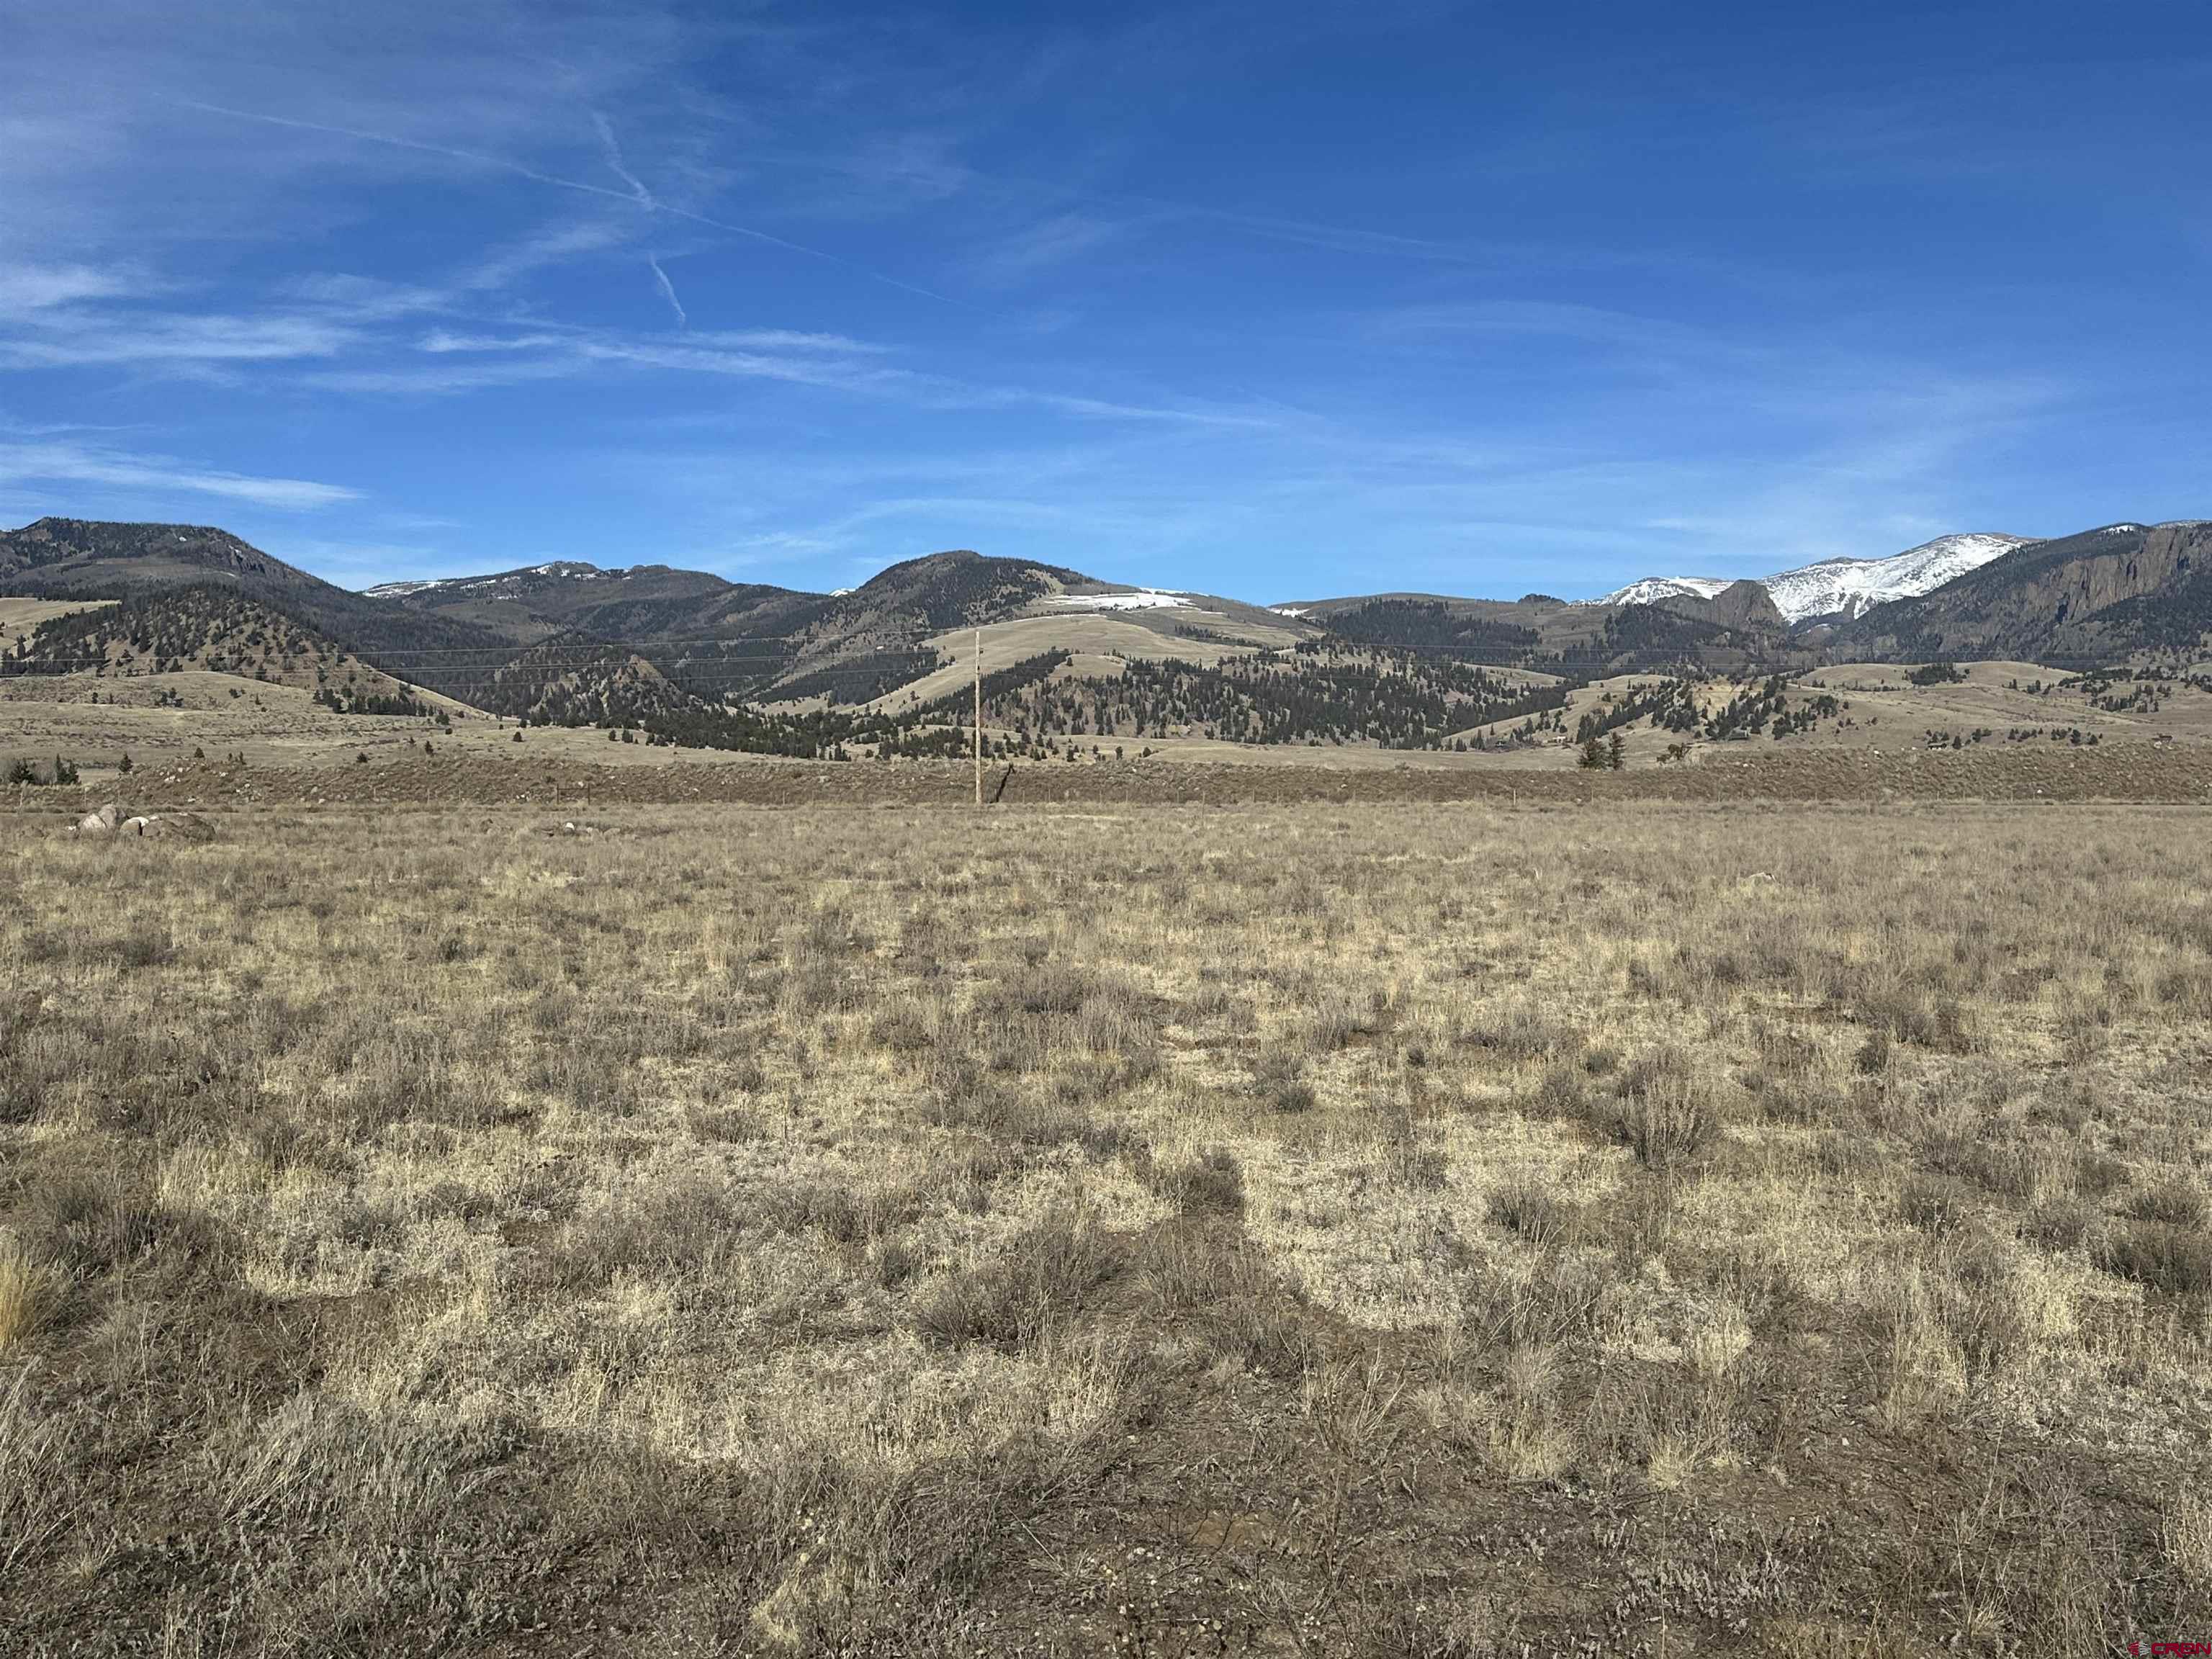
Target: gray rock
pixel 93 824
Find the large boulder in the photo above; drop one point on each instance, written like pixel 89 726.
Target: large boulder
pixel 93 824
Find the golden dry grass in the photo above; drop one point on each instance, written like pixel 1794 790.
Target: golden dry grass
pixel 1323 1229
pixel 29 1288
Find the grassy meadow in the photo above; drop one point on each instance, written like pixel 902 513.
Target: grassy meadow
pixel 1383 1230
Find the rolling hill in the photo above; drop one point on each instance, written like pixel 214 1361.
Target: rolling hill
pixel 642 603
pixel 775 644
pixel 85 559
pixel 210 626
pixel 1735 627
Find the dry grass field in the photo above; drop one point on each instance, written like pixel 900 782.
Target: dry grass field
pixel 165 720
pixel 1628 1228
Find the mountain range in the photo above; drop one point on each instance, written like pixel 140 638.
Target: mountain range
pixel 1839 590
pixel 691 651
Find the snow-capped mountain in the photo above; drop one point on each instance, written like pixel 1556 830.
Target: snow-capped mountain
pixel 1845 588
pixel 1851 586
pixel 560 567
pixel 1652 589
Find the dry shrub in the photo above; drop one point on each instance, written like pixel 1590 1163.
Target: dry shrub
pixel 92 1225
pixel 1669 1419
pixel 1003 1112
pixel 1352 1408
pixel 38 1454
pixel 1044 1275
pixel 1998 1306
pixel 903 1030
pixel 1518 1427
pixel 2166 1257
pixel 1532 1211
pixel 1205 1277
pixel 1211 1183
pixel 690 1227
pixel 1406 1152
pixel 2185 1537
pixel 2065 1224
pixel 1872 1059
pixel 30 1291
pixel 849 1214
pixel 1637 1222
pixel 1279 1079
pixel 1661 1112
pixel 2172 1199
pixel 1536 1301
pixel 1935 1203
pixel 1917 1367
pixel 1560 1093
pixel 1334 1027
pixel 1530 1439
pixel 1846 1154
pixel 1522 1034
pixel 146 945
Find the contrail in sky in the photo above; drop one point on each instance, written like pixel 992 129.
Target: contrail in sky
pixel 645 200
pixel 668 292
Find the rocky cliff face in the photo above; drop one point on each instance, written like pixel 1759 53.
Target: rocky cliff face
pixel 2122 588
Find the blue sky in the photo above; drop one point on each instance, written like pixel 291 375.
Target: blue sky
pixel 1278 301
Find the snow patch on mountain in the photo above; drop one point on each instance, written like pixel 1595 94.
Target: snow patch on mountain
pixel 1845 588
pixel 1852 586
pixel 1144 599
pixel 1652 589
pixel 570 568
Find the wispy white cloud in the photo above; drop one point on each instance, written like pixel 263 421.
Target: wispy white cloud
pixel 25 289
pixel 668 291
pixel 71 337
pixel 465 362
pixel 637 195
pixel 1053 241
pixel 614 158
pixel 158 476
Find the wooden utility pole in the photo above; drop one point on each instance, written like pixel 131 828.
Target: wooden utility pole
pixel 979 717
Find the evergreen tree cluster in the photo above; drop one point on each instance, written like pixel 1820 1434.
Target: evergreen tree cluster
pixel 999 685
pixel 1936 673
pixel 348 700
pixel 1672 704
pixel 1313 695
pixel 1749 712
pixel 39 774
pixel 859 679
pixel 1648 635
pixel 578 683
pixel 1431 625
pixel 202 627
